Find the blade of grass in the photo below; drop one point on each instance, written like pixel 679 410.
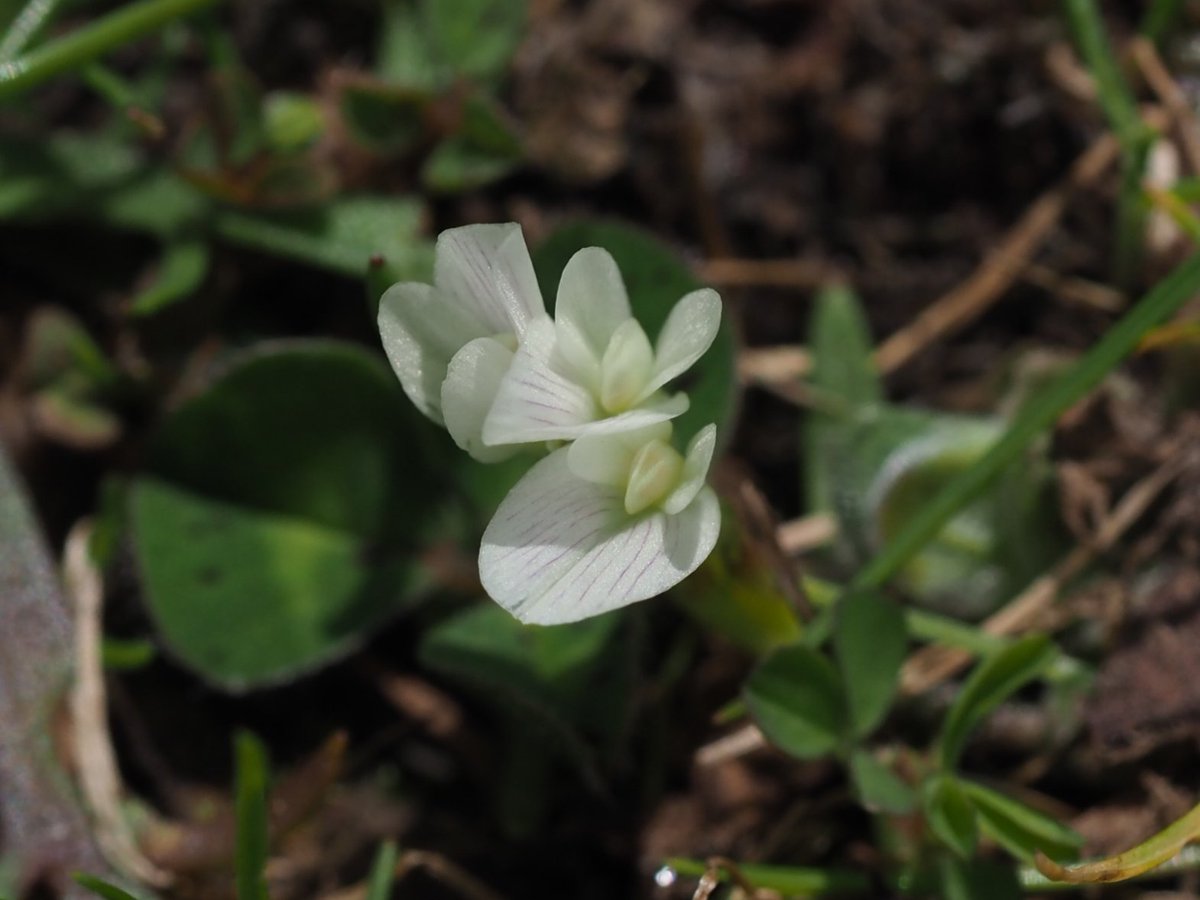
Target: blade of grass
pixel 251 805
pixel 1120 108
pixel 383 872
pixel 75 50
pixel 33 17
pixel 1036 418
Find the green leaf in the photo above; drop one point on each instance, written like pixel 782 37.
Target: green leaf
pixel 1020 830
pixel 486 647
pixel 474 37
pixel 342 236
pixel 796 697
pixel 382 118
pixel 181 270
pixel 871 642
pixel 993 681
pixel 383 872
pixel 302 479
pixel 844 372
pixel 879 789
pixel 292 121
pixel 656 279
pixel 403 56
pixel 950 814
pixel 102 888
pixel 250 854
pixel 457 165
pixel 567 681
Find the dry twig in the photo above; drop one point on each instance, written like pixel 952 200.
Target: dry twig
pixel 99 780
pixel 1171 95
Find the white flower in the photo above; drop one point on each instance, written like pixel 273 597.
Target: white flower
pixel 451 342
pixel 610 519
pixel 592 369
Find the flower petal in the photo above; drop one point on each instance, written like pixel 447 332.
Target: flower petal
pixel 695 470
pixel 534 401
pixel 688 332
pixel 591 303
pixel 605 458
pixel 486 269
pixel 472 379
pixel 626 366
pixel 421 331
pixel 561 549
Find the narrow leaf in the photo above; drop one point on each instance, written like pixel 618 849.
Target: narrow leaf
pixel 102 888
pixel 1019 829
pixel 995 679
pixel 383 872
pixel 951 815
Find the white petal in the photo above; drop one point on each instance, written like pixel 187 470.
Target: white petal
pixel 626 367
pixel 606 458
pixel 688 332
pixel 472 380
pixel 486 268
pixel 421 331
pixel 534 401
pixel 695 470
pixel 591 303
pixel 561 549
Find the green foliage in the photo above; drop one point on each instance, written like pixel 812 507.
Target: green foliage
pixel 790 881
pixel 316 519
pixel 877 787
pixel 950 814
pixel 383 872
pixel 475 38
pixel 844 374
pixel 181 270
pixel 250 802
pixel 1019 829
pixel 127 655
pixel 871 642
pixel 994 680
pixel 798 700
pixel 655 278
pixel 102 888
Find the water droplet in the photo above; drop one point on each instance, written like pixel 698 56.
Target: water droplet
pixel 665 877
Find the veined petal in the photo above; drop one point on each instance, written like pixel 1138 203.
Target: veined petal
pixel 561 549
pixel 591 303
pixel 486 269
pixel 421 330
pixel 534 401
pixel 696 463
pixel 688 332
pixel 472 380
pixel 606 458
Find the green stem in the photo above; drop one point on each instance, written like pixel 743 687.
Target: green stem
pixel 75 50
pixel 32 18
pixel 1037 417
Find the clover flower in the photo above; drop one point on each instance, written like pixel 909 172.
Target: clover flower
pixel 450 343
pixel 615 516
pixel 606 521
